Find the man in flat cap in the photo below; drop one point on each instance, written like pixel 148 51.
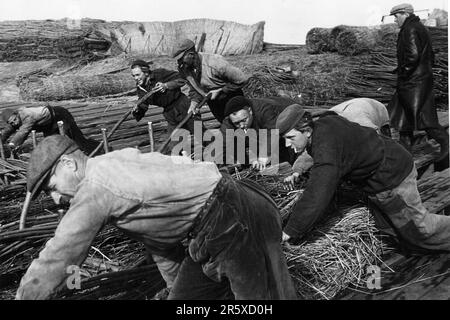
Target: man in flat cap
pixel 208 73
pixel 20 122
pixel 366 112
pixel 232 229
pixel 377 165
pixel 412 106
pixel 257 115
pixel 167 86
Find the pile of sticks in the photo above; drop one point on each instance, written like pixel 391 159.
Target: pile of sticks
pixel 335 254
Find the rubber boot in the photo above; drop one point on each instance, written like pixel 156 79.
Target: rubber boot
pixel 406 140
pixel 441 137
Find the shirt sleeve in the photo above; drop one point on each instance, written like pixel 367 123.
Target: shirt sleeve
pixel 171 78
pixel 320 188
pixel 23 132
pixel 7 132
pixel 88 213
pixel 234 77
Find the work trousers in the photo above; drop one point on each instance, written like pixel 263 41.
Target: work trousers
pixel 235 251
pixel 403 210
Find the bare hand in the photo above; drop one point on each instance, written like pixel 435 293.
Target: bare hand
pixel 215 93
pixel 260 164
pixel 285 237
pixel 160 87
pixel 193 108
pixel 290 181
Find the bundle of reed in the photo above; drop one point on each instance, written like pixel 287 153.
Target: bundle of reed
pixel 356 41
pixel 135 284
pixel 318 40
pixel 335 254
pixel 74 87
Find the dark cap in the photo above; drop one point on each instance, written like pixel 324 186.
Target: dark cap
pixel 7 113
pixel 181 47
pixel 290 116
pixel 235 104
pixel 404 7
pixel 44 157
pixel 142 64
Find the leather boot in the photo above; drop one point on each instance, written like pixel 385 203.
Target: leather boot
pixel 406 140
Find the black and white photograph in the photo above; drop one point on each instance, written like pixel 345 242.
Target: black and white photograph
pixel 224 154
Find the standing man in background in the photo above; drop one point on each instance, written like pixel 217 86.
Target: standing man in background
pixel 412 106
pixel 208 73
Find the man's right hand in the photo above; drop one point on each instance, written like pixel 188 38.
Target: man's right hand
pixel 290 181
pixel 193 108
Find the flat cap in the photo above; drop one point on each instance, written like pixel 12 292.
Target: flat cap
pixel 141 63
pixel 235 104
pixel 288 118
pixel 181 47
pixel 7 113
pixel 404 7
pixel 44 157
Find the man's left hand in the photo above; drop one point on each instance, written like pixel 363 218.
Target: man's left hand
pixel 260 164
pixel 215 93
pixel 285 237
pixel 160 87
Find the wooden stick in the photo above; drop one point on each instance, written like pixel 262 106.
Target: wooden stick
pixel 124 117
pixel 150 133
pixel 2 151
pixel 33 137
pixel 61 127
pixel 105 140
pixel 186 118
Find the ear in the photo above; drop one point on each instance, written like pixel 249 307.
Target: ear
pixel 69 162
pixel 308 132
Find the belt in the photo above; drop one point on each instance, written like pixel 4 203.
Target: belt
pixel 205 210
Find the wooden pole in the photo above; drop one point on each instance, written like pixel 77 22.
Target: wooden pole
pixel 105 140
pixel 150 134
pixel 2 154
pixel 61 127
pixel 33 137
pixel 2 151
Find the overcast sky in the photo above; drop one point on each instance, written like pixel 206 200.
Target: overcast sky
pixel 287 21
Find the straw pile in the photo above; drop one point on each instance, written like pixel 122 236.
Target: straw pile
pixel 375 78
pixel 318 40
pixel 337 251
pixel 74 87
pixel 49 39
pixel 356 41
pixel 112 255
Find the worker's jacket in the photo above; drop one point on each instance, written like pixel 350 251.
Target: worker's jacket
pixel 364 111
pixel 216 73
pixel 345 151
pixel 35 118
pixel 171 99
pixel 150 197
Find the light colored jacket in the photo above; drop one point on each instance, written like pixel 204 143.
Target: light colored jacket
pixel 218 73
pixel 364 111
pixel 150 197
pixel 29 117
